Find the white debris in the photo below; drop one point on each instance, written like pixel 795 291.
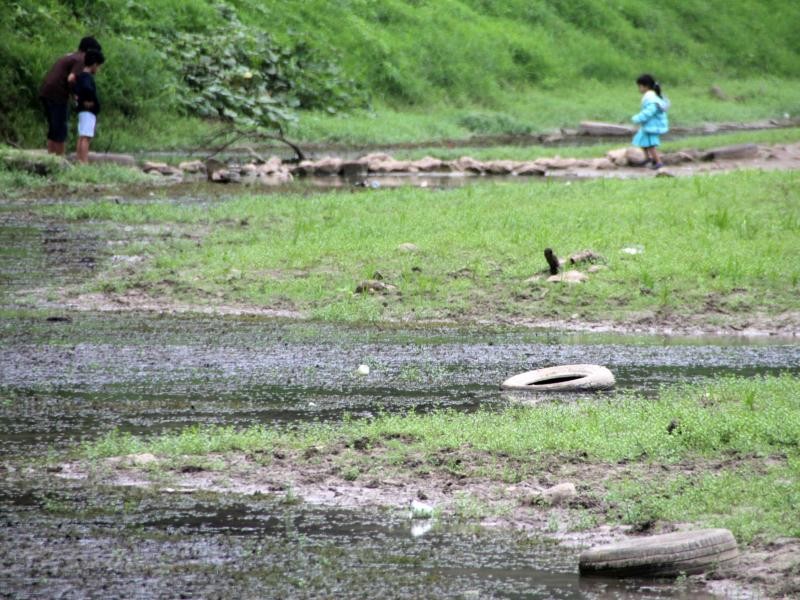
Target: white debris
pixel 363 370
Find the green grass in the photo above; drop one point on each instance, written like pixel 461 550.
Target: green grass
pixel 729 240
pixel 20 173
pixel 751 424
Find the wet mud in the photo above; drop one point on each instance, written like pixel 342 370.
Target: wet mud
pixel 68 377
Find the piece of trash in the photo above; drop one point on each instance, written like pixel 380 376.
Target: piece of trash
pixel 632 250
pixel 363 370
pixel 374 184
pixel 421 528
pixel 312 403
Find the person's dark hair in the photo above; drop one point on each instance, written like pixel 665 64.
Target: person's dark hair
pixel 650 83
pixel 93 57
pixel 89 43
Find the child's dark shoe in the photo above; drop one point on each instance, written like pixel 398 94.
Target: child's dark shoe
pixel 656 166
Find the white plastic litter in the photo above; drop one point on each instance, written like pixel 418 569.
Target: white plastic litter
pixel 363 370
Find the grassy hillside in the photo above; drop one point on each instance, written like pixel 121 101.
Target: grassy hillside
pixel 406 55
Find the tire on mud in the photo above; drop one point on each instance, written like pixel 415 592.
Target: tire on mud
pixel 564 378
pixel 668 555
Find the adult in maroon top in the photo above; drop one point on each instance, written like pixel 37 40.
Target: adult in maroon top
pixel 55 93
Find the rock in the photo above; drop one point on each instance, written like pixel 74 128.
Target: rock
pixel 530 169
pixel 737 151
pixel 467 164
pixel 596 268
pixel 192 166
pixel 716 92
pixel 373 286
pixel 327 166
pixel 354 168
pixel 603 164
pixel 224 176
pixel 139 460
pixel 568 277
pixel 618 157
pixel 586 256
pixel 560 494
pixel 408 247
pixel 276 178
pixel 676 158
pixel 635 156
pixel 212 166
pixel 557 163
pixel 392 166
pixel 604 129
pixel 149 166
pixel 664 173
pixel 363 370
pixel 428 164
pixel 500 167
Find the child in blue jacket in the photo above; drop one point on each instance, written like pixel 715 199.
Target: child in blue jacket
pixel 652 118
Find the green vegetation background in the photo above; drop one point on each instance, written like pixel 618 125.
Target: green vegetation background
pixel 491 67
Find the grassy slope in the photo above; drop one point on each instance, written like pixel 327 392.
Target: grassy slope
pixel 459 66
pixel 725 243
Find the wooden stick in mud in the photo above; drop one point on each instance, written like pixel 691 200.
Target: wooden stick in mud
pixel 552 260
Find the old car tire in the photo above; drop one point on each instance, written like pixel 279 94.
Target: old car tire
pixel 664 555
pixel 564 378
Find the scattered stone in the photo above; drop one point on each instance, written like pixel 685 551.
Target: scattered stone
pixel 363 370
pixel 603 164
pixel 530 169
pixel 717 93
pixel 559 494
pixel 586 256
pixel 354 168
pixel 138 460
pixel 148 166
pixel 467 164
pixel 568 277
pixel 192 166
pixel 408 247
pixel 664 173
pixel 500 167
pixel 557 163
pixel 372 286
pixel 596 268
pixel 635 156
pixel 600 129
pixel 618 157
pixel 428 164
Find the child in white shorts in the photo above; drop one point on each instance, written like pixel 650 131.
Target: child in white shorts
pixel 88 102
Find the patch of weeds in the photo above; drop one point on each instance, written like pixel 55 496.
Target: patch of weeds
pixel 351 473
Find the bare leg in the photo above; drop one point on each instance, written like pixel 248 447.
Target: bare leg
pixel 82 150
pixel 55 147
pixel 656 155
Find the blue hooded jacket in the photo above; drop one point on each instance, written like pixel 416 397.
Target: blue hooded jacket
pixel 653 115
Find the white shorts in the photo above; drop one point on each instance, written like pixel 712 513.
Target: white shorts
pixel 86 124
